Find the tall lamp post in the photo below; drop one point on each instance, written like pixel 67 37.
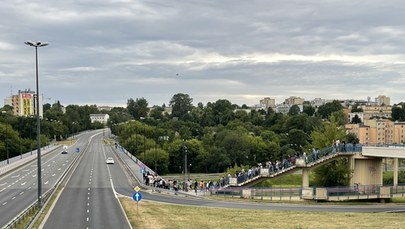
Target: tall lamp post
pixel 5 117
pixel 36 45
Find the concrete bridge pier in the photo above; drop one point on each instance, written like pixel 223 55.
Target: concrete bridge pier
pixel 305 177
pixel 366 170
pixel 395 172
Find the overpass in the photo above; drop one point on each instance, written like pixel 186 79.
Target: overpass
pixel 366 165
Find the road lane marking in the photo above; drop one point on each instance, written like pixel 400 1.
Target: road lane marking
pixel 53 174
pixel 13 198
pixel 21 193
pixel 29 188
pixel 4 203
pixel 63 164
pixel 3 184
pixel 2 189
pixel 46 182
pixel 87 219
pixel 26 170
pixel 59 169
pixel 88 210
pixel 23 183
pixel 34 175
pixel 15 176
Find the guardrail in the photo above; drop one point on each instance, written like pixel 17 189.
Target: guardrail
pixel 28 211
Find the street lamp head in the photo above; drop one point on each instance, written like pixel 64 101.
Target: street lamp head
pixel 36 44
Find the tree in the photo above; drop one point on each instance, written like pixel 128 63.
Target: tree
pixel 398 113
pixel 181 104
pixel 337 172
pixel 356 119
pixel 328 108
pixel 157 112
pixel 138 108
pixel 294 110
pixel 157 158
pixel 309 110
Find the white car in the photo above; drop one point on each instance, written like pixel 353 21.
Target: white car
pixel 110 160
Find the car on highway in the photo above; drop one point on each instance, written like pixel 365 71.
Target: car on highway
pixel 64 152
pixel 110 160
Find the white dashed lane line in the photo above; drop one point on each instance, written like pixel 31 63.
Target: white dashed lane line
pixel 1 190
pixel 22 184
pixel 3 184
pixel 4 203
pixel 21 193
pixel 46 182
pixel 15 176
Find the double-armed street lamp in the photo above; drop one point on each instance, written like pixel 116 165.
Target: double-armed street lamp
pixel 36 45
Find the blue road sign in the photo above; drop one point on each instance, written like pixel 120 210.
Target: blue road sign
pixel 77 150
pixel 137 196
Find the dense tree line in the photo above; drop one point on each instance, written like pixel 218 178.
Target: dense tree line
pixel 18 134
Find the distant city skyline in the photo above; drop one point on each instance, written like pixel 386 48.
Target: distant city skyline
pixel 106 52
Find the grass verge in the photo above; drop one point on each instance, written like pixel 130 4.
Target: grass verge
pixel 157 215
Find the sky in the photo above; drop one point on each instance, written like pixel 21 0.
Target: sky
pixel 105 52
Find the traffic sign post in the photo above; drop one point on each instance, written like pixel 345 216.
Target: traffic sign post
pixel 137 197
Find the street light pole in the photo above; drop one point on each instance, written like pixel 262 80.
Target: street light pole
pixel 36 45
pixel 5 118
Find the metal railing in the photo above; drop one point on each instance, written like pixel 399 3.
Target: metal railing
pixel 292 162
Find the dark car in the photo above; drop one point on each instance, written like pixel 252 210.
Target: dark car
pixel 64 152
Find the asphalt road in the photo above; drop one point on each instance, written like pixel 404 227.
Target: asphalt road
pixel 88 200
pixel 19 189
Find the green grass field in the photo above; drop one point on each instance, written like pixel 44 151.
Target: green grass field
pixel 158 215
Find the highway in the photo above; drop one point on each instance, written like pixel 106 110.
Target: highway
pixel 88 200
pixel 19 189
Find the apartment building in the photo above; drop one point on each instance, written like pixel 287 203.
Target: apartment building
pixel 24 103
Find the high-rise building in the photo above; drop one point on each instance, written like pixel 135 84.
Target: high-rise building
pixel 24 103
pixel 382 100
pixel 268 102
pixel 293 100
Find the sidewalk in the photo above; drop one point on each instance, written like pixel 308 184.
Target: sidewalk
pixel 136 166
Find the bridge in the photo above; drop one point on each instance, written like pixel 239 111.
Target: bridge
pixel 366 166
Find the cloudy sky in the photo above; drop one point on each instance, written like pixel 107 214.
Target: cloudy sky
pixel 106 51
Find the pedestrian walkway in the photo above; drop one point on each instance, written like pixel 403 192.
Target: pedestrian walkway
pixel 138 169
